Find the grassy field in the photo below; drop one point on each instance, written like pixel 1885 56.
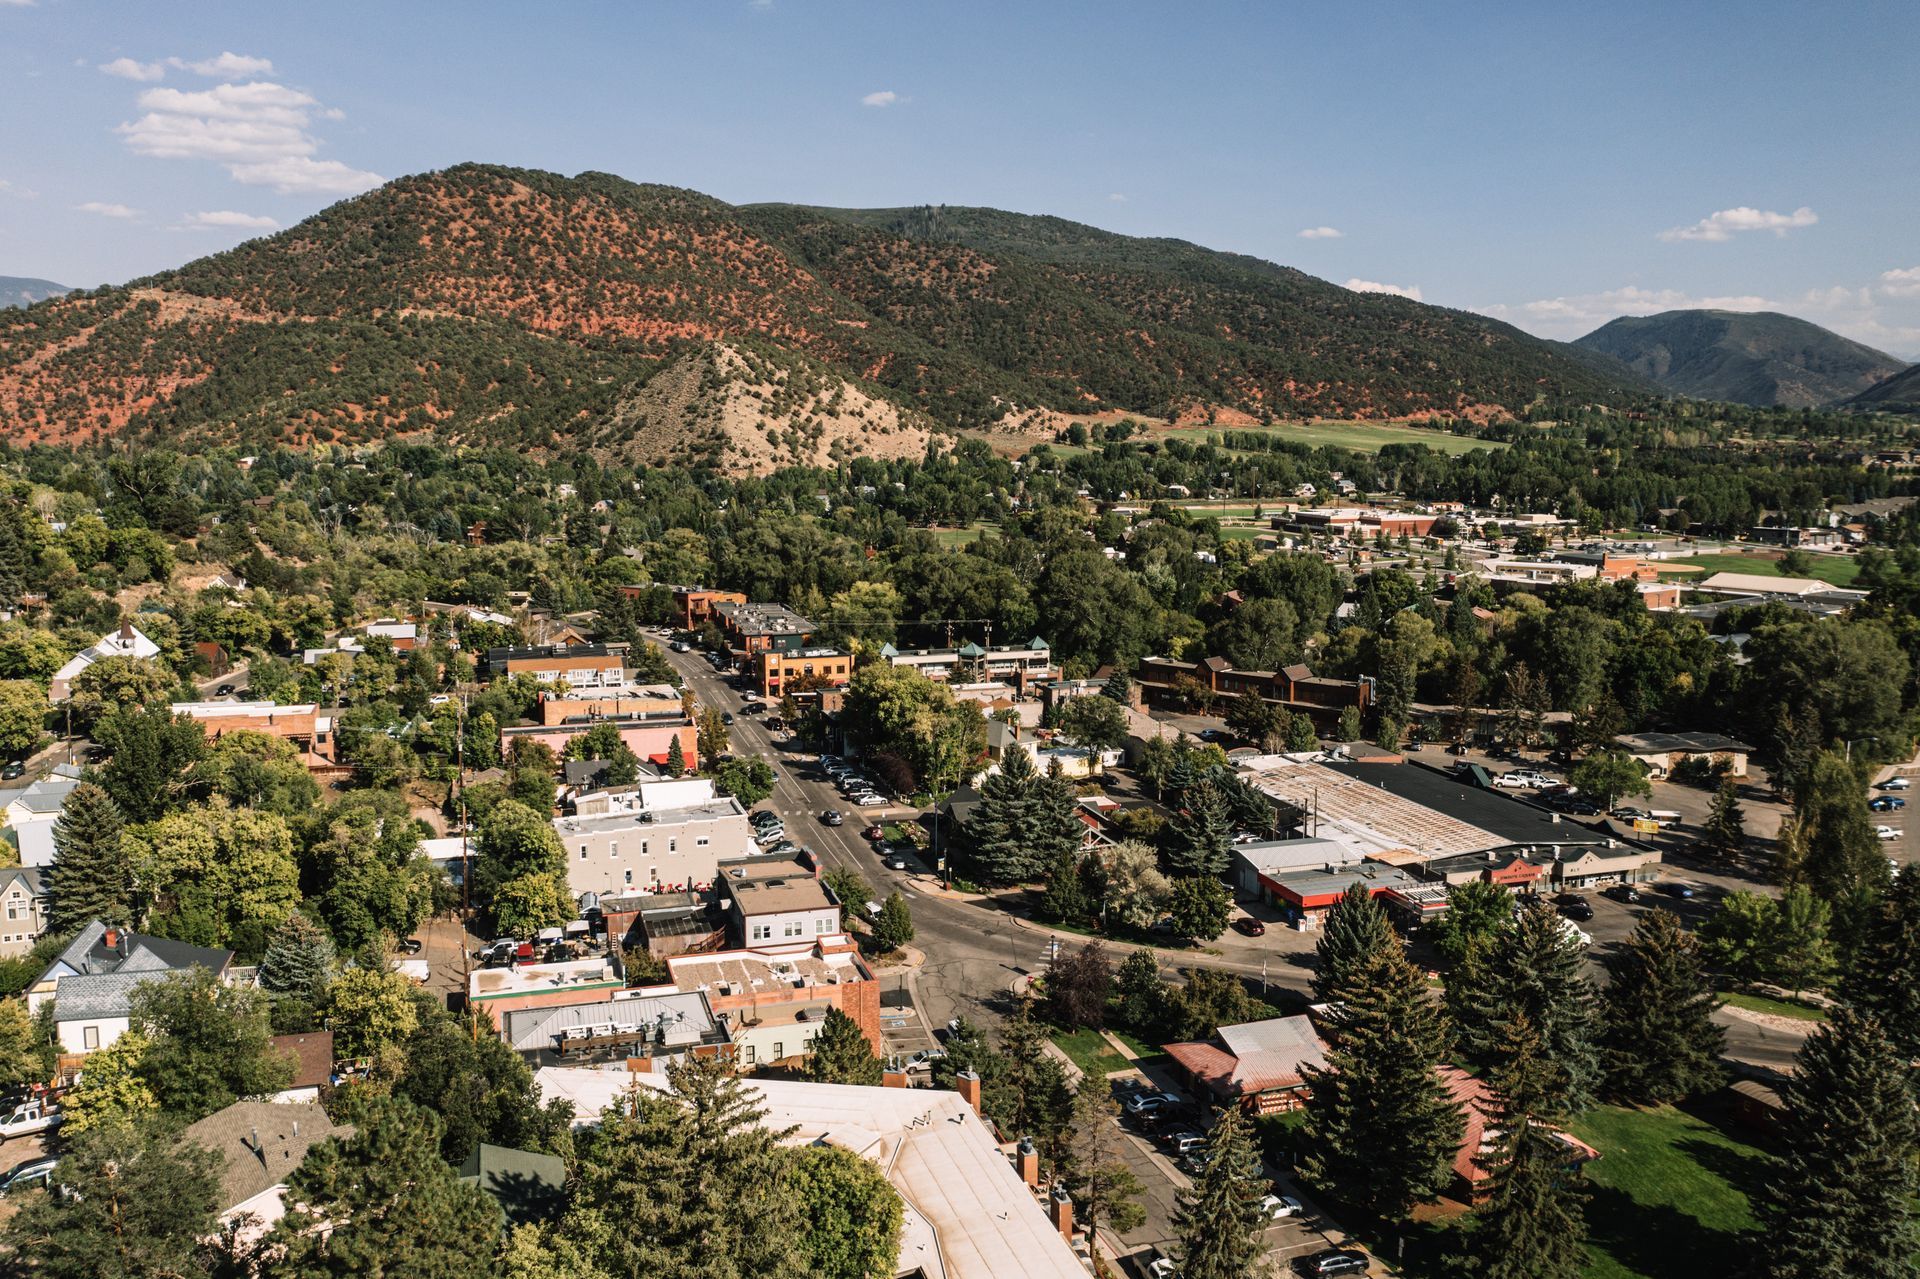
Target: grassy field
pixel 1778 1007
pixel 1090 1051
pixel 1827 568
pixel 1668 1194
pixel 961 536
pixel 1362 437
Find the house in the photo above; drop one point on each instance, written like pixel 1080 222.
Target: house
pixel 312 1055
pixel 778 909
pixel 779 671
pixel 751 629
pixel 528 1187
pixel 1017 664
pixel 970 1212
pixel 1480 1141
pixel 90 984
pixel 125 642
pixel 1165 682
pixel 662 924
pixel 575 665
pixel 33 811
pixel 1257 1065
pixel 654 1029
pixel 773 997
pixel 23 898
pixel 656 849
pixel 1664 752
pixel 260 1143
pixel 298 724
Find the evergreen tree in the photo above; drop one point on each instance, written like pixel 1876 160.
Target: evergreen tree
pixel 1533 1225
pixel 92 873
pixel 1725 835
pixel 1801 955
pixel 1000 830
pixel 1027 1092
pixel 1660 1043
pixel 1348 729
pixel 1199 908
pixel 1842 859
pixel 1535 968
pixel 383 1203
pixel 688 1183
pixel 299 959
pixel 676 758
pixel 1382 1127
pixel 1119 687
pixel 1884 978
pixel 1056 831
pixel 894 926
pixel 1199 839
pixel 841 1053
pixel 1105 1192
pixel 1219 1222
pixel 1356 930
pixel 134 1203
pixel 1065 898
pixel 1839 1197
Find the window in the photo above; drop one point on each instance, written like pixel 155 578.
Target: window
pixel 583 852
pixel 701 842
pixel 746 1054
pixel 673 844
pixel 792 928
pixel 762 932
pixel 15 910
pixel 779 1050
pixel 629 878
pixel 90 1037
pixel 643 848
pixel 613 848
pixel 822 925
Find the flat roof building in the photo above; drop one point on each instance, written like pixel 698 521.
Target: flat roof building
pixel 655 850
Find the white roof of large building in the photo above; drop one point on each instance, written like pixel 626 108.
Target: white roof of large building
pixel 253 710
pixel 1348 811
pixel 969 1216
pixel 1760 584
pixel 125 642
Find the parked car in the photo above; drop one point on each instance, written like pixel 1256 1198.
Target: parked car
pixel 763 817
pixel 1886 832
pixel 225 690
pixel 1277 1206
pixel 1145 1103
pixel 1886 803
pixel 35 1173
pixel 869 799
pixel 1251 927
pixel 896 862
pixel 411 945
pixel 1333 1261
pixel 1160 1266
pixel 1184 1141
pixel 726 717
pixel 1674 888
pixel 681 646
pixel 1574 906
pixel 1627 814
pixel 1524 779
pixel 785 848
pixel 13 770
pixel 1623 893
pixel 769 834
pixel 1896 783
pixel 832 817
pixel 874 833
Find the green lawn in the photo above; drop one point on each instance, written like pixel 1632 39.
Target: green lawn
pixel 1832 569
pixel 1779 1007
pixel 1362 437
pixel 1089 1051
pixel 961 536
pixel 1668 1194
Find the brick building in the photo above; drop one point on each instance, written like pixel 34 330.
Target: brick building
pixel 774 999
pixel 778 670
pixel 1165 682
pixel 579 665
pixel 751 629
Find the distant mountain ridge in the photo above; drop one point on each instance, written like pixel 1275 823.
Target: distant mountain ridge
pixel 1749 357
pixel 24 290
pixel 1900 392
pixel 494 305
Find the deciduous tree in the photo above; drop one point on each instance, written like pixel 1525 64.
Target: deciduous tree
pixel 851 1216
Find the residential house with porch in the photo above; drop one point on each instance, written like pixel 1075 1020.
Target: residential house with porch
pixel 1259 1066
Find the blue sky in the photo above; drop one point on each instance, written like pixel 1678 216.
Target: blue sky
pixel 1551 163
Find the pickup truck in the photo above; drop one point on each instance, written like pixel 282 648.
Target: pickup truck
pixel 29 1118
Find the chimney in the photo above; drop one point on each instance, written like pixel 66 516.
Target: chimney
pixel 893 1079
pixel 126 631
pixel 1029 1162
pixel 967 1083
pixel 111 940
pixel 1063 1212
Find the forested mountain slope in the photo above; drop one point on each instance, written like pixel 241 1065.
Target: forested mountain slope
pixel 1747 357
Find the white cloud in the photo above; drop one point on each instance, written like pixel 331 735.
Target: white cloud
pixel 1374 286
pixel 128 69
pixel 884 98
pixel 259 131
pixel 228 66
pixel 101 208
pixel 1727 223
pixel 1322 233
pixel 1117 197
pixel 17 4
pixel 228 219
pixel 760 6
pixel 1903 282
pixel 298 174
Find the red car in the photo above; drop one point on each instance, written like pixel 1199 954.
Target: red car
pixel 874 833
pixel 1251 927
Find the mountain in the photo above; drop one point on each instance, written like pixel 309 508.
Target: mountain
pixel 21 290
pixel 1900 392
pixel 520 307
pixel 1749 357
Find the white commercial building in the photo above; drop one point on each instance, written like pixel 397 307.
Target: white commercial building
pixel 969 1214
pixel 662 837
